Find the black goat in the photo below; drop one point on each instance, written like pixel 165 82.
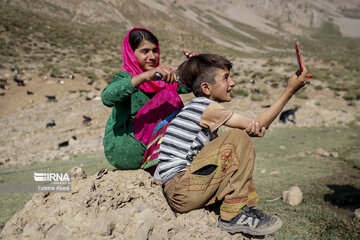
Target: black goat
pixel 288 115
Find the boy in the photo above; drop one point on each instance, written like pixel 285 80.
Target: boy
pixel 198 168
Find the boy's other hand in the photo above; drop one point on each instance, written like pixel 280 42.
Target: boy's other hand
pixel 297 81
pixel 190 53
pixel 253 129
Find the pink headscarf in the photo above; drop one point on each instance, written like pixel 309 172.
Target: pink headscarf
pixel 132 66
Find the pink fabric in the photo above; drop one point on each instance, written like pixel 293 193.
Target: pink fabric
pixel 132 66
pixel 154 112
pixel 148 118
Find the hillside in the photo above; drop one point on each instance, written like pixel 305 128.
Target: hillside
pixel 70 49
pixel 47 43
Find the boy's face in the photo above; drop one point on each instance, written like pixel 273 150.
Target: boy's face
pixel 220 91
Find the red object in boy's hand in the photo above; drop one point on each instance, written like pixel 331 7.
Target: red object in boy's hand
pixel 298 57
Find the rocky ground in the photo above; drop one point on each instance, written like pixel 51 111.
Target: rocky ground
pixel 37 129
pixel 45 118
pixel 117 205
pixel 120 204
pixel 32 126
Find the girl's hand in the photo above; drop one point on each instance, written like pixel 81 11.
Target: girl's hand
pixel 168 74
pixel 190 53
pixel 297 81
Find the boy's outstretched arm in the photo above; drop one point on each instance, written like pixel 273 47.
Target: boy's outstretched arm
pixel 266 118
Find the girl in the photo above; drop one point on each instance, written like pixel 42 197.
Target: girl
pixel 141 99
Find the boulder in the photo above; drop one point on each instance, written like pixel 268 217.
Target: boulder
pixel 357 213
pixel 293 196
pixel 322 153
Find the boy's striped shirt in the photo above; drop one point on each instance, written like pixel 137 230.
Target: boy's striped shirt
pixel 183 139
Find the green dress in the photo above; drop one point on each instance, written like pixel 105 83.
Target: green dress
pixel 121 148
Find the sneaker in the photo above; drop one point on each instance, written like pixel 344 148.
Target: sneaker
pixel 252 221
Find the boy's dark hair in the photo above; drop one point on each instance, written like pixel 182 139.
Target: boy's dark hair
pixel 201 68
pixel 138 35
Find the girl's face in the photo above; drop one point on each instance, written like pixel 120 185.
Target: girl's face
pixel 147 55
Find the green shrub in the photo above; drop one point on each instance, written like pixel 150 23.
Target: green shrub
pixel 240 92
pixel 301 93
pixel 318 88
pixel 351 104
pixel 350 95
pixel 274 85
pixel 257 97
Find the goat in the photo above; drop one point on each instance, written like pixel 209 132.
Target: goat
pixel 285 115
pixel 51 124
pixel 51 98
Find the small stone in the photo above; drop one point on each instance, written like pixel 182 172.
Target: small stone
pixel 77 173
pixel 321 152
pixel 357 213
pixel 74 95
pixel 293 196
pixel 301 155
pixel 275 173
pixel 57 232
pixel 334 154
pixel 72 141
pixel 263 171
pixel 102 226
pixel 32 231
pixel 90 96
pixel 282 147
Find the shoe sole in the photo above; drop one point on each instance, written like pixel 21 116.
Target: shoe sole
pixel 252 231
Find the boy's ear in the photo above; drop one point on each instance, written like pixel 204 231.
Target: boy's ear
pixel 205 88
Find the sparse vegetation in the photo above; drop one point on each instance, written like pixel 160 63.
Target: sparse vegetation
pixel 58 46
pixel 258 94
pixel 318 87
pixel 351 13
pixel 302 93
pixel 240 91
pixel 52 40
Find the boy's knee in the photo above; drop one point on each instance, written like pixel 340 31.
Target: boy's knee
pixel 241 139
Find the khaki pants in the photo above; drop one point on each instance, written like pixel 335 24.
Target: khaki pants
pixel 222 171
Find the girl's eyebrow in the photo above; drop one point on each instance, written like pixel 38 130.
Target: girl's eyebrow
pixel 149 48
